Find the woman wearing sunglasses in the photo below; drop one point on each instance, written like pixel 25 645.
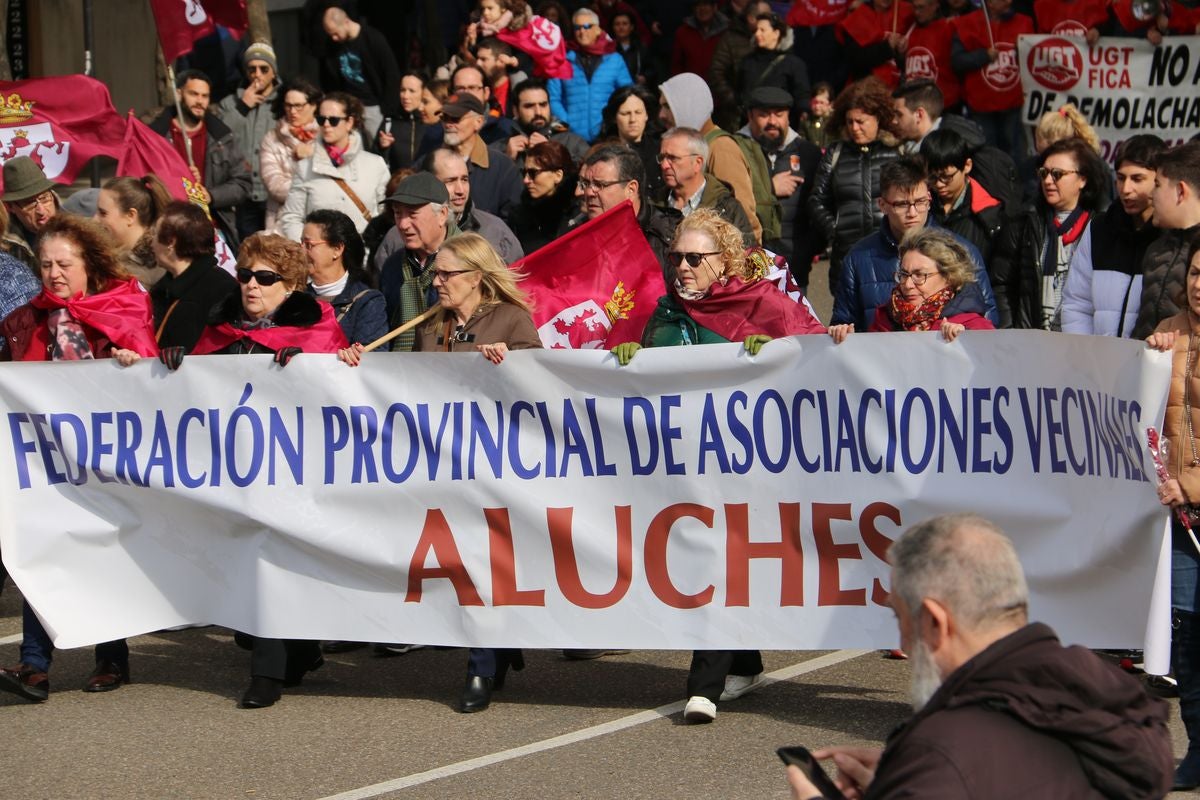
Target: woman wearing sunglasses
pixel 1033 256
pixel 341 175
pixel 719 296
pixel 548 202
pixel 88 309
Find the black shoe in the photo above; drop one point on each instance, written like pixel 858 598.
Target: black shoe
pixel 477 695
pixel 339 646
pixel 295 673
pixel 24 681
pixel 263 693
pixel 504 660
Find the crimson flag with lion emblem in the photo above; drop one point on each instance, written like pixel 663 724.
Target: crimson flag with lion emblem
pixel 596 286
pixel 61 123
pixel 181 22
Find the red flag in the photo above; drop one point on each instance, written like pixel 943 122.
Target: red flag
pixel 596 286
pixel 543 41
pixel 181 22
pixel 61 123
pixel 147 152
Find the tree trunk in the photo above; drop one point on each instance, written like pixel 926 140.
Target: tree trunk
pixel 260 25
pixel 5 67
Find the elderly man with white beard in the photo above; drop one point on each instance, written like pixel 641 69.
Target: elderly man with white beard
pixel 1002 708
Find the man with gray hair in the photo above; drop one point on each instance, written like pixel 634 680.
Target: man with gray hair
pixel 450 167
pixel 682 156
pixel 1002 708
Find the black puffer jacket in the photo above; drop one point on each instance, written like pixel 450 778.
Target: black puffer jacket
pixel 1016 270
pixel 779 68
pixel 1165 271
pixel 842 203
pixel 408 131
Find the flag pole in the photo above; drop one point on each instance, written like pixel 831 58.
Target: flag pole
pixel 187 141
pixel 89 68
pixel 408 326
pixel 987 19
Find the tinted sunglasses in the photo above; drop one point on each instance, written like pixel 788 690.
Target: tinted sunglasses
pixel 334 121
pixel 693 259
pixel 264 276
pixel 585 26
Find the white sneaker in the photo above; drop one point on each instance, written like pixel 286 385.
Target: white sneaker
pixel 700 709
pixel 738 685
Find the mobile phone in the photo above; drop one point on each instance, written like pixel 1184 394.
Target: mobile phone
pixel 387 125
pixel 800 757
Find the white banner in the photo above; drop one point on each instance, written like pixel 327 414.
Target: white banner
pixel 1123 86
pixel 696 498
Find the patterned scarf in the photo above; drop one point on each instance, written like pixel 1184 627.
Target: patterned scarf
pixel 922 316
pixel 68 341
pixel 337 154
pixel 414 299
pixel 302 133
pixel 1069 230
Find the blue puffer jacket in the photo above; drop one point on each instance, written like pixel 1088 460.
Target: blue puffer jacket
pixel 868 277
pixel 579 101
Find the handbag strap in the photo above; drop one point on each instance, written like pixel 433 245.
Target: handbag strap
pixel 345 187
pixel 158 333
pixel 346 309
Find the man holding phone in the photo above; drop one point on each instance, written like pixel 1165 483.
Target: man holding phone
pixel 1002 708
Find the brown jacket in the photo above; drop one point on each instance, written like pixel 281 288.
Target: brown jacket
pixel 490 324
pixel 1179 460
pixel 725 160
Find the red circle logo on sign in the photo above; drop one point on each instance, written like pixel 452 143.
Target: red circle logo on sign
pixel 1055 63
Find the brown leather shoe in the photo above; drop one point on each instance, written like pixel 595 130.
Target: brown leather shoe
pixel 23 681
pixel 107 675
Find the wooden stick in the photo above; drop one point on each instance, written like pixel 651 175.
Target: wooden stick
pixel 987 18
pixel 187 140
pixel 895 16
pixel 408 326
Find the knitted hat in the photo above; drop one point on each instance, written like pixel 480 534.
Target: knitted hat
pixel 260 51
pixel 23 179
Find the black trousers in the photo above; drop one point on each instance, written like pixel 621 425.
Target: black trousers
pixel 269 658
pixel 709 668
pixel 484 661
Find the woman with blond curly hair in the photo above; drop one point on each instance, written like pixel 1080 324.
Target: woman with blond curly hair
pixel 846 187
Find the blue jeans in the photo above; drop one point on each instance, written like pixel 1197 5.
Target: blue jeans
pixel 37 651
pixel 1185 569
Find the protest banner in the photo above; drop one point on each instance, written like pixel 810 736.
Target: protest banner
pixel 1123 86
pixel 697 498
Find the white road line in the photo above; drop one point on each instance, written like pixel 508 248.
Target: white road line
pixel 375 790
pixel 16 637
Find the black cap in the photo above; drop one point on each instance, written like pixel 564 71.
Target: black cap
pixel 420 188
pixel 460 103
pixel 770 97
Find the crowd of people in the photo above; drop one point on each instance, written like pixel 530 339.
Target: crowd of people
pixel 748 135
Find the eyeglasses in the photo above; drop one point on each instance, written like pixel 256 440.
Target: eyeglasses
pixel 264 276
pixel 264 68
pixel 294 106
pixel 661 157
pixel 45 200
pixel 533 172
pixel 586 185
pixel 585 26
pixel 918 278
pixel 333 121
pixel 904 206
pixel 945 176
pixel 309 244
pixel 444 275
pixel 1055 175
pixel 693 259
pixel 473 88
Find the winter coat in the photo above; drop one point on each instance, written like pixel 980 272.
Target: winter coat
pixel 966 308
pixel 538 222
pixel 492 228
pixel 694 48
pixel 1017 270
pixel 359 310
pixel 779 68
pixel 314 187
pixel 299 321
pixel 658 226
pixel 226 171
pixel 277 163
pixel 1175 429
pixel 796 234
pixel 139 261
pixel 869 276
pixel 490 324
pixel 249 126
pixel 718 197
pixel 1104 285
pixel 189 299
pixel 639 61
pixel 17 287
pixel 1164 269
pixel 724 72
pixel 408 130
pixel 978 219
pixel 671 324
pixel 1028 717
pixel 579 100
pixel 495 183
pixel 842 199
pixel 118 317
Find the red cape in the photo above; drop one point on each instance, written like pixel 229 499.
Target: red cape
pixel 736 310
pixel 324 337
pixel 122 313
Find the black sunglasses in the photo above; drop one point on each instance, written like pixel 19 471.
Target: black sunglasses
pixel 264 276
pixel 334 121
pixel 693 259
pixel 533 172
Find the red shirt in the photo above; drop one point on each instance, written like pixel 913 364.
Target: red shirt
pixel 928 56
pixel 815 13
pixel 868 26
pixel 199 139
pixel 1072 18
pixel 996 86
